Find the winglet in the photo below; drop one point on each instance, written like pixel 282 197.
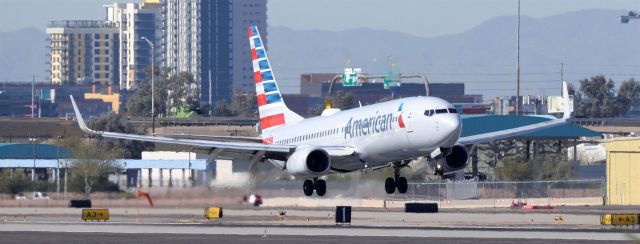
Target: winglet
pixel 81 123
pixel 565 97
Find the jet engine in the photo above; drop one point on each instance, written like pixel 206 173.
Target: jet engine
pixel 309 162
pixel 455 158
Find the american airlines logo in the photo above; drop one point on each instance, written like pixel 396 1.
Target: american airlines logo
pixel 367 126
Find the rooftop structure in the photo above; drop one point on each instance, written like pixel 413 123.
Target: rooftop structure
pixel 83 51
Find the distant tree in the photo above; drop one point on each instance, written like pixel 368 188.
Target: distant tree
pixel 13 185
pixel 571 89
pixel 542 167
pixel 139 104
pixel 222 109
pixel 244 104
pixel 340 100
pixel 597 98
pixel 182 91
pixel 175 91
pixel 90 166
pixel 125 148
pixel 628 95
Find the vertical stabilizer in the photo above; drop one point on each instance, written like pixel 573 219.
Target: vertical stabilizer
pixel 273 111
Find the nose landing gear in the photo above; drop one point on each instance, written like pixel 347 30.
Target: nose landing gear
pixel 438 170
pixel 390 184
pixel 319 185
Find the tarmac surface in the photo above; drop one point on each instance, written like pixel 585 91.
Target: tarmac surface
pixel 108 238
pixel 63 225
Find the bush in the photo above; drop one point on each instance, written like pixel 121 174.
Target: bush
pixel 543 167
pixel 102 184
pixel 42 186
pixel 13 185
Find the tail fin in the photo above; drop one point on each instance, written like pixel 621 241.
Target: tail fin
pixel 273 112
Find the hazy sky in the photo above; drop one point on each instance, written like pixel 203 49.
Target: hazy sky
pixel 425 18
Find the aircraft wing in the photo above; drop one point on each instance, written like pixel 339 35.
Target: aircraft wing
pixel 216 147
pixel 250 148
pixel 504 134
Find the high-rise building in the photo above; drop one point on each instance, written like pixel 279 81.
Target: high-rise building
pixel 135 21
pixel 181 36
pixel 245 14
pixel 209 39
pixel 83 51
pixel 226 56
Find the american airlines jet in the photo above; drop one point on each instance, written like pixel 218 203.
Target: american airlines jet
pixel 387 134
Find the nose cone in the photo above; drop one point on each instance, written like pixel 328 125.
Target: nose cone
pixel 451 126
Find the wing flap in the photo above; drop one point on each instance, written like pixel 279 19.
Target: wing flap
pixel 214 137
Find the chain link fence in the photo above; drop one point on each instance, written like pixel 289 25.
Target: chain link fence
pixel 504 189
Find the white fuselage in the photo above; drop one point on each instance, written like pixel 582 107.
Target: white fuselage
pixel 380 133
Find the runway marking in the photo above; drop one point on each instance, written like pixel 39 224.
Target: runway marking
pixel 314 231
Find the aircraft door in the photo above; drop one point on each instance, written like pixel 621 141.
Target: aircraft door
pixel 422 127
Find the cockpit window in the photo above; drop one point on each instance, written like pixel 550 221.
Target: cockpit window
pixel 429 112
pixel 441 111
pixel 453 111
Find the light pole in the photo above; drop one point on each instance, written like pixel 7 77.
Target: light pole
pixel 33 153
pixel 153 110
pixel 58 165
pixel 518 64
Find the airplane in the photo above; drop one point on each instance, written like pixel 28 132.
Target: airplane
pixel 386 134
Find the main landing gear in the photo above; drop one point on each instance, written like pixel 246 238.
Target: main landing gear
pixel 317 184
pixel 390 184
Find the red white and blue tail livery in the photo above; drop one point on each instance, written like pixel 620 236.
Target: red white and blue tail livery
pixel 272 109
pixel 380 135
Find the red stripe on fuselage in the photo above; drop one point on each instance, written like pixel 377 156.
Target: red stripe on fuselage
pixel 271 121
pixel 268 140
pixel 400 122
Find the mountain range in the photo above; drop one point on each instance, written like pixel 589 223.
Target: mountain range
pixel 22 55
pixel 588 42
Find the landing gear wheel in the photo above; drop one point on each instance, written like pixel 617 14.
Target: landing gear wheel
pixel 402 185
pixel 307 187
pixel 390 185
pixel 321 187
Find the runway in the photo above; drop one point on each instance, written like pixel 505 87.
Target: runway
pixel 109 238
pixel 63 225
pixel 120 232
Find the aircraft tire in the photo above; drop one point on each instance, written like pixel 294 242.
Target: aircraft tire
pixel 307 187
pixel 321 187
pixel 402 185
pixel 390 185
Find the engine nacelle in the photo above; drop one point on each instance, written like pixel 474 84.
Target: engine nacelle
pixel 456 158
pixel 309 162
